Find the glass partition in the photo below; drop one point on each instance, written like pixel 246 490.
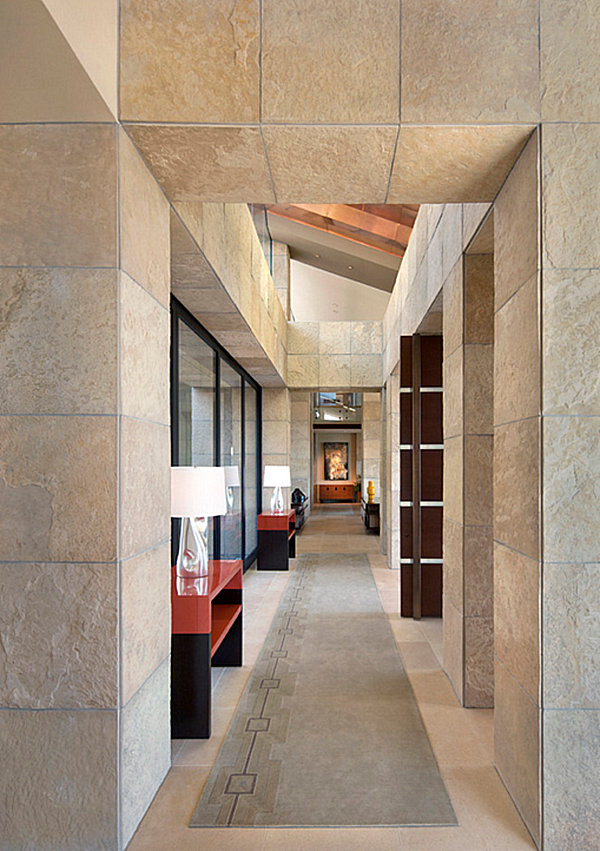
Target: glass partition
pixel 215 410
pixel 230 408
pixel 251 466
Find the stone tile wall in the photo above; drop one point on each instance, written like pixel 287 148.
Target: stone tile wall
pixel 468 441
pixel 517 427
pixel 85 514
pixel 335 355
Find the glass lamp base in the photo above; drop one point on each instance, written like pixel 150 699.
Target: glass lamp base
pixel 192 558
pixel 277 501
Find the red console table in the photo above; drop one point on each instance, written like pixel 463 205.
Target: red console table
pixel 207 631
pixel 276 540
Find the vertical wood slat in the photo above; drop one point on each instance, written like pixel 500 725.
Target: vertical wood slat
pixel 416 476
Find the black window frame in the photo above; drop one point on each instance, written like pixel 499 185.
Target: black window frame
pixel 180 313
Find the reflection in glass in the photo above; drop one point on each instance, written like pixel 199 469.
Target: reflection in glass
pixel 231 456
pixel 250 468
pixel 197 388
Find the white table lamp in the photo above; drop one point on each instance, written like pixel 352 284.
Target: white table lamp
pixel 232 480
pixel 277 477
pixel 197 493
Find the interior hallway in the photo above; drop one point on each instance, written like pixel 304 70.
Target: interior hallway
pixel 462 739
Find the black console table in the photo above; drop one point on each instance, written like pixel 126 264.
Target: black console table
pixel 370 515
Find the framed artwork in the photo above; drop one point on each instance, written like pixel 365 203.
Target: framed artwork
pixel 336 462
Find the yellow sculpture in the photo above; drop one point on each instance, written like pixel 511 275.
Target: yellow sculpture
pixel 371 491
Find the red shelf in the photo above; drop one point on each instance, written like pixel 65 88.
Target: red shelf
pixel 223 615
pixel 192 612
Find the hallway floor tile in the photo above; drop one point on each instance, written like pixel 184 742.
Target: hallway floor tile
pixel 462 738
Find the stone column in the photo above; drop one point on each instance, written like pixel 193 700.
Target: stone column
pixel 371 443
pixel 84 486
pixel 468 441
pixel 570 486
pixel 517 578
pixel 301 444
pixel 276 416
pixel 281 276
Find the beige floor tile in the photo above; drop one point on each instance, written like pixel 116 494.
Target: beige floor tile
pixel 462 739
pixel 333 839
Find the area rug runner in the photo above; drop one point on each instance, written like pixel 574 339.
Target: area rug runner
pixel 327 732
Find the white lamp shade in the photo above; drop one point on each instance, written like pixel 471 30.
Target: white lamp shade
pixel 198 492
pixel 277 477
pixel 232 476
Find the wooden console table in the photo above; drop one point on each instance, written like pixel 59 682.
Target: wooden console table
pixel 342 492
pixel 207 631
pixel 276 540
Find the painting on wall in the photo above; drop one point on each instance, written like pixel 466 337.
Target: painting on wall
pixel 336 462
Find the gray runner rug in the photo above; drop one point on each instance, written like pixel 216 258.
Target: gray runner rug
pixel 327 732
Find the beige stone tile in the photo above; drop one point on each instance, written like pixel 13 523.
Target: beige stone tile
pixel 569 61
pixel 145 741
pixel 449 165
pixel 58 488
pixel 478 482
pixel 196 163
pixel 366 338
pixel 478 571
pixel 479 662
pixel 446 73
pixel 145 618
pixel 359 82
pixel 454 391
pixel 517 366
pixel 324 164
pixel 334 338
pixel 56 323
pixel 144 357
pixel 450 229
pixel 453 311
pixel 517 743
pixel 189 64
pixel 453 645
pixel 144 486
pixel 334 371
pixel 571 196
pixel 58 636
pixel 144 222
pixel 78 786
pixel 275 404
pixel 276 434
pixel 516 225
pixel 453 479
pixel 473 215
pixel 571 316
pixel 303 338
pixel 478 389
pixel 571 509
pixel 453 562
pixel 485 810
pixel 59 195
pixel 366 370
pixel 517 486
pixel 326 839
pixel 571 618
pixel 166 822
pixel 418 656
pixel 571 776
pixel 303 370
pixel 479 298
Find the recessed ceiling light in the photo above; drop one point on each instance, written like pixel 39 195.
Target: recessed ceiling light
pixel 351 267
pixel 317 256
